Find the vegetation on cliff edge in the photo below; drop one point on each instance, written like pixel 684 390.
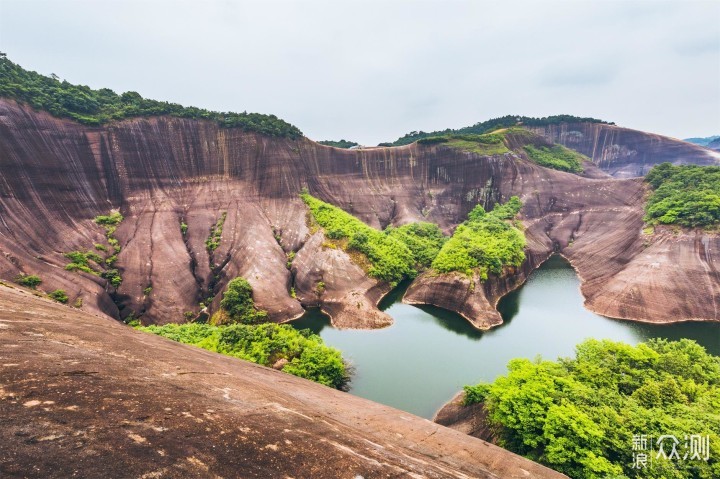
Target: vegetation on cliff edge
pixel 485 243
pixel 556 157
pixel 303 353
pixel 338 144
pixel 583 416
pixel 96 107
pixel 687 195
pixel 494 124
pixel 487 144
pixel 393 255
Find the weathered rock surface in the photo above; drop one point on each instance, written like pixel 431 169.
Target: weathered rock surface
pixel 625 153
pixel 326 277
pixel 470 420
pixel 57 175
pixel 597 225
pixel 85 396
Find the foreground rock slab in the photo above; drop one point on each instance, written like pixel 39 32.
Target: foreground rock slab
pixel 85 396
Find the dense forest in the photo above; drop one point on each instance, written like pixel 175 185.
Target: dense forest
pixel 96 107
pixel 485 243
pixel 494 124
pixel 591 416
pixel 687 195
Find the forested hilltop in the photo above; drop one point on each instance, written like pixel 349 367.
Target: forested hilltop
pixel 494 124
pixel 686 195
pixel 96 107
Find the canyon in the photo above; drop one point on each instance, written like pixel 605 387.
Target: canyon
pixel 165 172
pixel 202 205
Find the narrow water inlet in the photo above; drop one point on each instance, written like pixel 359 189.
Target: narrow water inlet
pixel 422 360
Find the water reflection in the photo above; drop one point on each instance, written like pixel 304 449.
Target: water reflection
pixel 429 353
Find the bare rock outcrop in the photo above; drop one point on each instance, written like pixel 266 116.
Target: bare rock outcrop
pixel 470 420
pixel 85 395
pixel 326 277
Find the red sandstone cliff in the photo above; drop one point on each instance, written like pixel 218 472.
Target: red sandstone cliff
pixel 622 152
pixel 58 175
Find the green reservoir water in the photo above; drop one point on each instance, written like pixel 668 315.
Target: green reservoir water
pixel 422 360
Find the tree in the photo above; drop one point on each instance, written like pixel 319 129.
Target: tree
pixel 238 304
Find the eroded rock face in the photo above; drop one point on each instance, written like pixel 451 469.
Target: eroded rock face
pixel 82 395
pixel 470 420
pixel 160 172
pixel 326 277
pixel 625 153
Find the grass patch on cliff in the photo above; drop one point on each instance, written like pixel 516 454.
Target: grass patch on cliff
pixel 687 195
pixel 485 243
pixel 306 354
pixel 486 145
pixel 391 255
pixel 556 157
pixel 96 107
pixel 580 415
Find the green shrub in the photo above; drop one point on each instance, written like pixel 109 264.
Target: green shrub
pixel 97 107
pixel 215 236
pixel 59 295
pixel 237 302
pixel 28 280
pixel 579 415
pixel 687 195
pixel 485 243
pixel 80 261
pixel 556 157
pixel 475 394
pixel 308 357
pixel 113 277
pixel 113 219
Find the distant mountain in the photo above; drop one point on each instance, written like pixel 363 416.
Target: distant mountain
pixel 715 144
pixel 703 141
pixel 494 124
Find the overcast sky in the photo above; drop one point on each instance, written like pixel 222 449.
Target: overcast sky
pixel 373 71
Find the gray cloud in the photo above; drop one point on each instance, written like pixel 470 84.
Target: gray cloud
pixel 372 71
